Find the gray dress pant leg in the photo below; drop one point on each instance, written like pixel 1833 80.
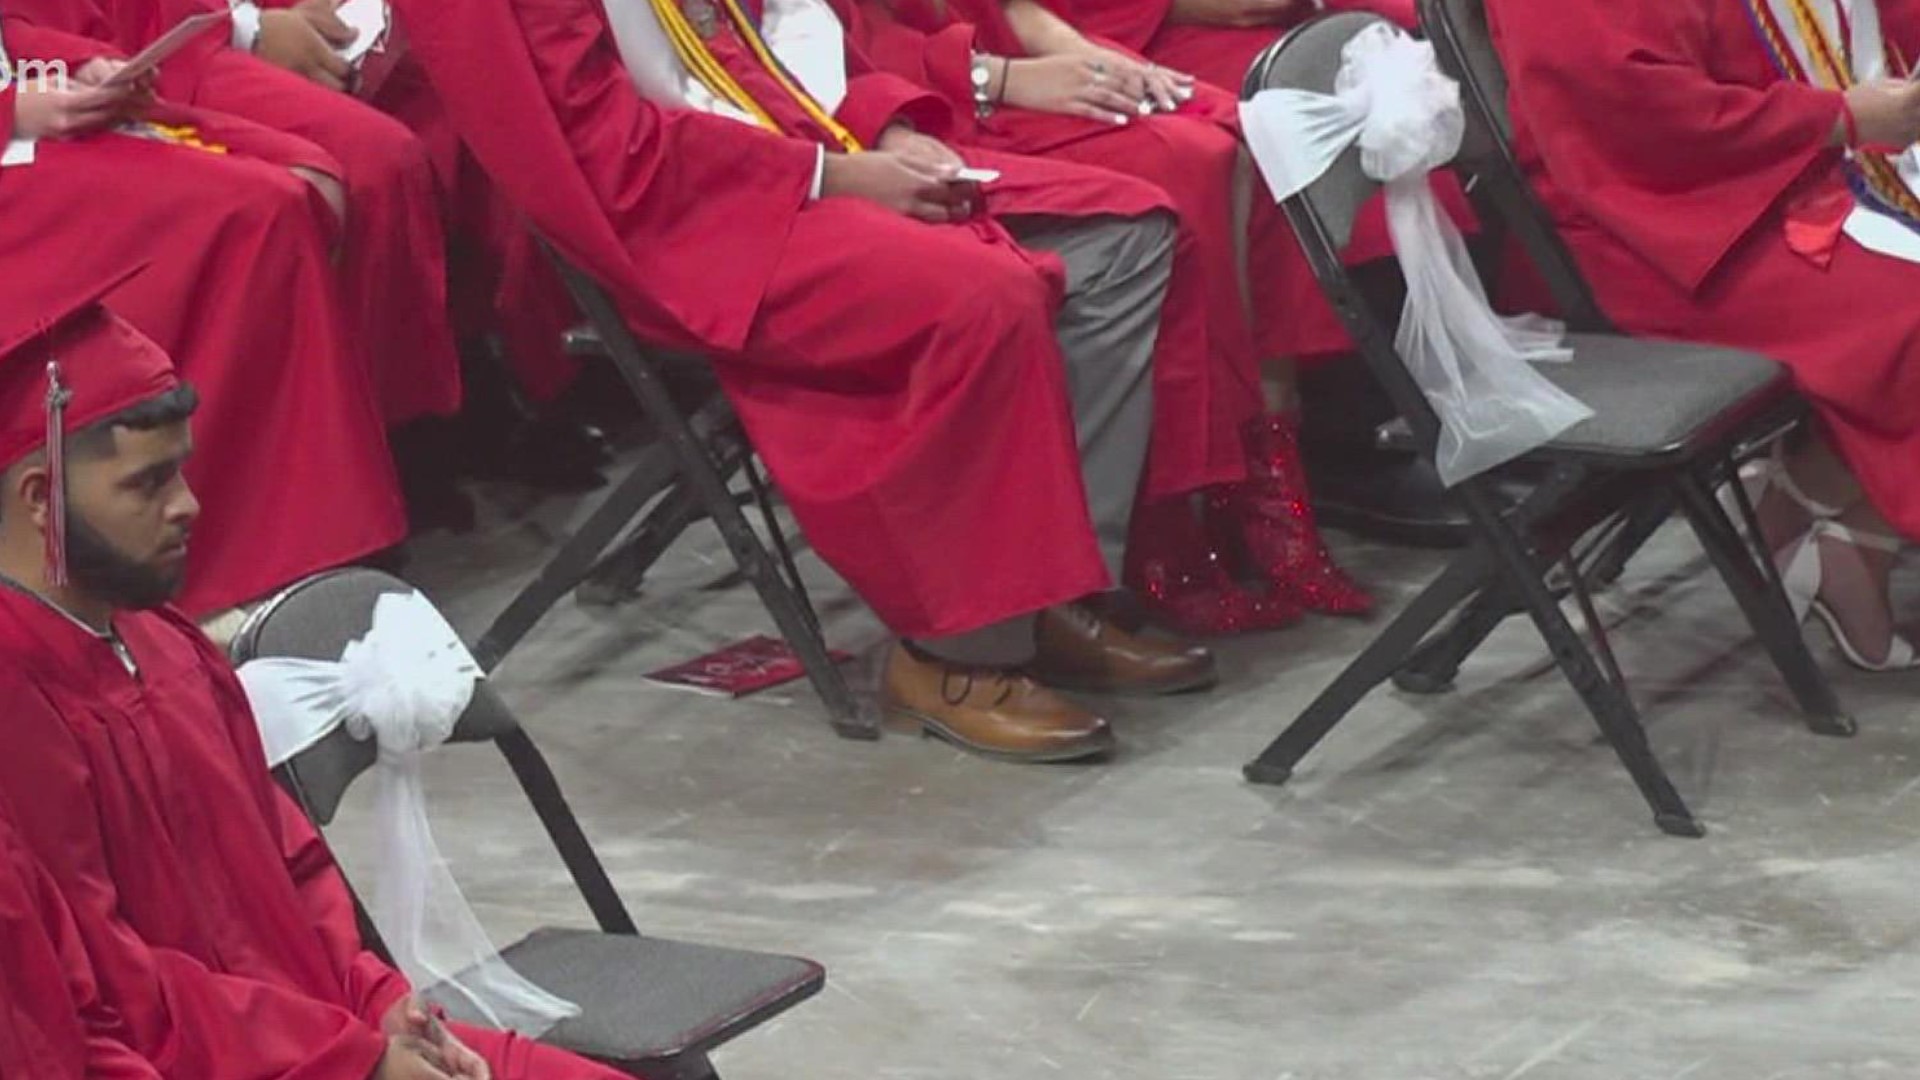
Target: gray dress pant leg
pixel 1118 269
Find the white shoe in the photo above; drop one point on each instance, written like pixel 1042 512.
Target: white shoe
pixel 1758 477
pixel 1801 567
pixel 1803 578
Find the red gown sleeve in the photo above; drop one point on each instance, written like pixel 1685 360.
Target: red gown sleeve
pixel 1703 160
pixel 1900 22
pixel 107 1057
pixel 372 985
pixel 183 1017
pixel 537 89
pixel 1400 11
pixel 47 981
pixel 877 96
pixel 907 41
pixel 28 41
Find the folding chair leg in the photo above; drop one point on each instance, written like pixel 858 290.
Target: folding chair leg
pixel 1368 670
pixel 793 617
pixel 1767 610
pixel 1433 668
pixel 618 576
pixel 763 495
pixel 1612 710
pixel 698 472
pixel 536 779
pixel 692 1067
pixel 1641 524
pixel 575 559
pixel 1436 663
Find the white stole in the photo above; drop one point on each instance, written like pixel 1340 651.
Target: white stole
pixel 805 35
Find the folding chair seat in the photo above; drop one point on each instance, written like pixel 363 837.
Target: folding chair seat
pixel 1671 420
pixel 1699 393
pixel 650 1006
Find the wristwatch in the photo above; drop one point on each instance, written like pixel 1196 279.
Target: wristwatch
pixel 981 76
pixel 246 24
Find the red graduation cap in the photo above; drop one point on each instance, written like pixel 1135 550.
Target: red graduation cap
pixel 66 366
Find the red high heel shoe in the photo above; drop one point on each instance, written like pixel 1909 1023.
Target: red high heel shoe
pixel 1268 520
pixel 1184 583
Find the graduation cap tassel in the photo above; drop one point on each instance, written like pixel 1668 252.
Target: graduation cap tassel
pixel 56 532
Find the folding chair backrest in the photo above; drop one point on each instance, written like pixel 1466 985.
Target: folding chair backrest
pixel 1463 42
pixel 315 619
pixel 1309 58
pixel 1323 215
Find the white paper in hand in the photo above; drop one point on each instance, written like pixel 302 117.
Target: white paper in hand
pixel 166 45
pixel 369 18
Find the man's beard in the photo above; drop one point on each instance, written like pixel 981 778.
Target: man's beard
pixel 105 573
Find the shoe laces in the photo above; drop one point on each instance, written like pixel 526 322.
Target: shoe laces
pixel 1006 680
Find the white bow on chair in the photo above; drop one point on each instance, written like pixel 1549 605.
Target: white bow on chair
pixel 1475 367
pixel 403 685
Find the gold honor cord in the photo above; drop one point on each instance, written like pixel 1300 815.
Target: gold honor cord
pixel 693 53
pixel 1876 171
pixel 699 60
pixel 751 35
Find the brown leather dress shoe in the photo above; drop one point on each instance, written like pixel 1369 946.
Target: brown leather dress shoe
pixel 1081 651
pixel 1000 714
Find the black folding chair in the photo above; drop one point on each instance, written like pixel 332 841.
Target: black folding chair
pixel 1670 419
pixel 687 469
pixel 650 1007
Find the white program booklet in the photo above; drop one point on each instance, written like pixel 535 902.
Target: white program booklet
pixel 166 45
pixel 369 17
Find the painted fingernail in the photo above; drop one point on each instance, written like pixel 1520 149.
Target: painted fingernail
pixel 1146 108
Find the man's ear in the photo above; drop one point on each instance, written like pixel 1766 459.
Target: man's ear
pixel 28 484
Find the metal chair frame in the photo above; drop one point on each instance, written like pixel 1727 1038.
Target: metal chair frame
pixel 687 470
pixel 1589 513
pixel 542 790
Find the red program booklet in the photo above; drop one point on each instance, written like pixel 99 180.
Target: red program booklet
pixel 739 669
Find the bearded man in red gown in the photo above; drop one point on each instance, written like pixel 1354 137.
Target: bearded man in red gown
pixel 222 935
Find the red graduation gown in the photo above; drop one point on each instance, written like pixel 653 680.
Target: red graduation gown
pixel 292 469
pixel 1219 55
pixel 1291 316
pixel 499 281
pixel 220 928
pixel 52 1023
pixel 1191 157
pixel 1206 384
pixel 393 262
pixel 901 380
pixel 1679 218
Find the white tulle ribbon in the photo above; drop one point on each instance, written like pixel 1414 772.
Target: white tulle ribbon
pixel 404 685
pixel 1474 366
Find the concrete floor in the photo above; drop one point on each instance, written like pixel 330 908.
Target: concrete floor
pixel 1457 887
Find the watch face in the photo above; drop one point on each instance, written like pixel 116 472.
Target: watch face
pixel 980 75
